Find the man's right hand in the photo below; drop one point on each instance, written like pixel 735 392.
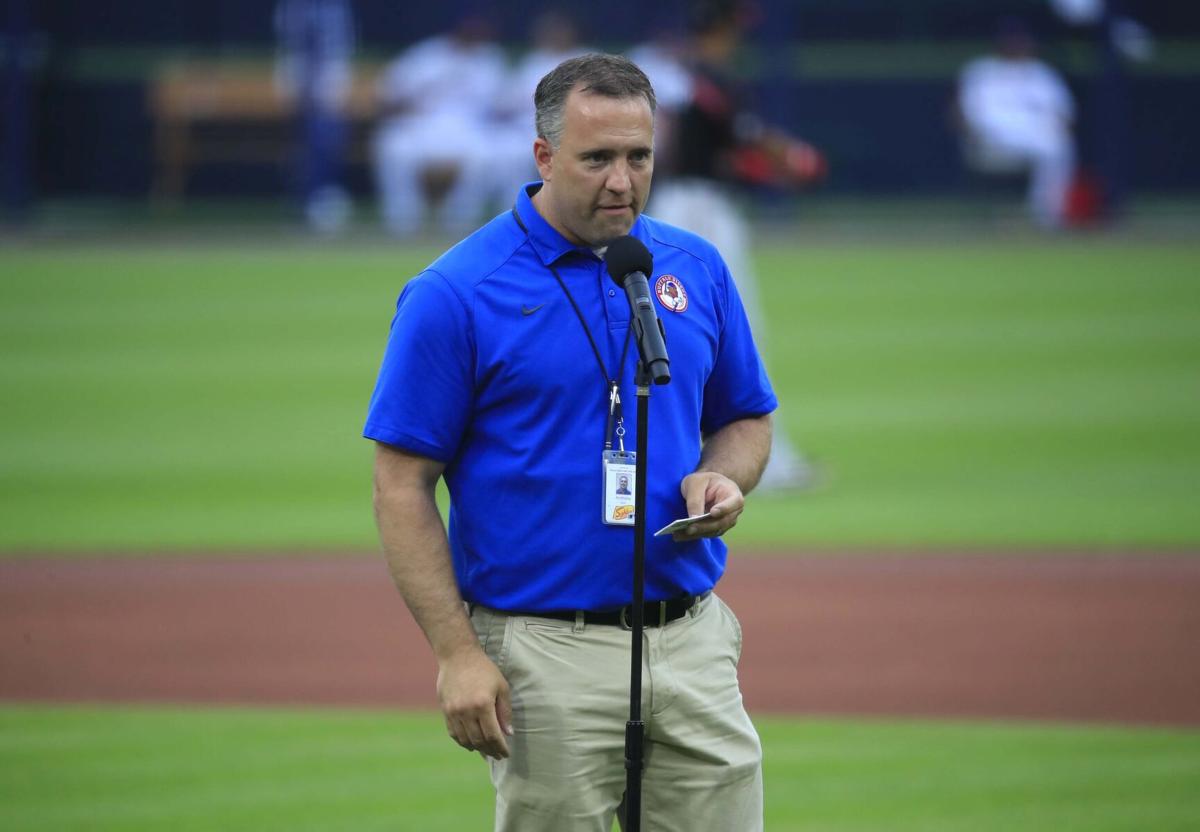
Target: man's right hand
pixel 476 703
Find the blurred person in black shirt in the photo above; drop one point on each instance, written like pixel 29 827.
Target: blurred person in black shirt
pixel 717 144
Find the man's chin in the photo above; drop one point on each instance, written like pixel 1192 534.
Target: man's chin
pixel 614 227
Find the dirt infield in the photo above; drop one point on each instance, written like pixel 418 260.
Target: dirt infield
pixel 1093 637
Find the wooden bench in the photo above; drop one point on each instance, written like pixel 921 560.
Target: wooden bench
pixel 188 99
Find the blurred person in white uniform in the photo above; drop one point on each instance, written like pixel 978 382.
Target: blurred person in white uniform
pixel 663 58
pixel 554 38
pixel 1017 114
pixel 437 100
pixel 717 144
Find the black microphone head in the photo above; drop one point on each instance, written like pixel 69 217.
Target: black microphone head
pixel 626 255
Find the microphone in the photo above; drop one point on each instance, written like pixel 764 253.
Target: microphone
pixel 629 261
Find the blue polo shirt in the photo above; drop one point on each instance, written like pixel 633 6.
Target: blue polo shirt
pixel 489 371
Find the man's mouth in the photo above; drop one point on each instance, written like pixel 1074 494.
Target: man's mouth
pixel 615 209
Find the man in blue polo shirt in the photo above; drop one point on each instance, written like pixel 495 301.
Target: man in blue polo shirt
pixel 507 359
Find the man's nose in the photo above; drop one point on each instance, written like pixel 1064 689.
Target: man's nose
pixel 618 178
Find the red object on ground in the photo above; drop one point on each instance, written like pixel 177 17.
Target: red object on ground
pixel 1089 637
pixel 1085 201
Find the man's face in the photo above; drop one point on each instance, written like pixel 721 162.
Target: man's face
pixel 598 178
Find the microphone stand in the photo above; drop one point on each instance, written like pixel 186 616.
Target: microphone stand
pixel 629 269
pixel 635 728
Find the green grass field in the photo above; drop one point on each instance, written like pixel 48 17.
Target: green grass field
pixel 111 770
pixel 968 395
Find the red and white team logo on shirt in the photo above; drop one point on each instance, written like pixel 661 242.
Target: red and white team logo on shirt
pixel 670 293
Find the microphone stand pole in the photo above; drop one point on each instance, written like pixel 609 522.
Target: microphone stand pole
pixel 635 728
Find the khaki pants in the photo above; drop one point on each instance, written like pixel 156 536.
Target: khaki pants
pixel 570 689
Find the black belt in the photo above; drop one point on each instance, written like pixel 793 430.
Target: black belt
pixel 654 613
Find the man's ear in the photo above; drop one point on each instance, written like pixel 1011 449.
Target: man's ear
pixel 543 157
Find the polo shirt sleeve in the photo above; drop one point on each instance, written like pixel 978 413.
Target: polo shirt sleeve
pixel 425 387
pixel 738 387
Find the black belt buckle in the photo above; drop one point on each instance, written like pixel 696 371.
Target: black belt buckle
pixel 626 624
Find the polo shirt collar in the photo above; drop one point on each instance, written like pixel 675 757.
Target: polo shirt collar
pixel 549 245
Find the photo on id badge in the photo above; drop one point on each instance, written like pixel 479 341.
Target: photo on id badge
pixel 620 480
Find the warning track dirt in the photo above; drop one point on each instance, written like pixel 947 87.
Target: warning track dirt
pixel 1074 637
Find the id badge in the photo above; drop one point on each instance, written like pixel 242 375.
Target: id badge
pixel 620 483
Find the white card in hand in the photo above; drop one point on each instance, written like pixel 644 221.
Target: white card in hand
pixel 681 523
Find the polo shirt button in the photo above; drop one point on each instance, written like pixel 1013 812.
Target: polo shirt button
pixel 612 293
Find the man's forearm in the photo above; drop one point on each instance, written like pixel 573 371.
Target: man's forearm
pixel 474 696
pixel 739 451
pixel 418 555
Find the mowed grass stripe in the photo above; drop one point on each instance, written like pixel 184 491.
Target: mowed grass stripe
pixel 129 769
pixel 204 770
pixel 954 776
pixel 956 396
pixel 975 395
pixel 193 398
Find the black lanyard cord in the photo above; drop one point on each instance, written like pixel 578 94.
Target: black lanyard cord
pixel 610 382
pixel 588 332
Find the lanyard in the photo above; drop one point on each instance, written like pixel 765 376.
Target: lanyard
pixel 611 383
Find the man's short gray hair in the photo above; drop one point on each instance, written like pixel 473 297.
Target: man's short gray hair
pixel 612 76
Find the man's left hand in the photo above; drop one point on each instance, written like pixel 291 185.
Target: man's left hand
pixel 707 491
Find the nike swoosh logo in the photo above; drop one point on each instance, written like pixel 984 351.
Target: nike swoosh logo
pixel 525 310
